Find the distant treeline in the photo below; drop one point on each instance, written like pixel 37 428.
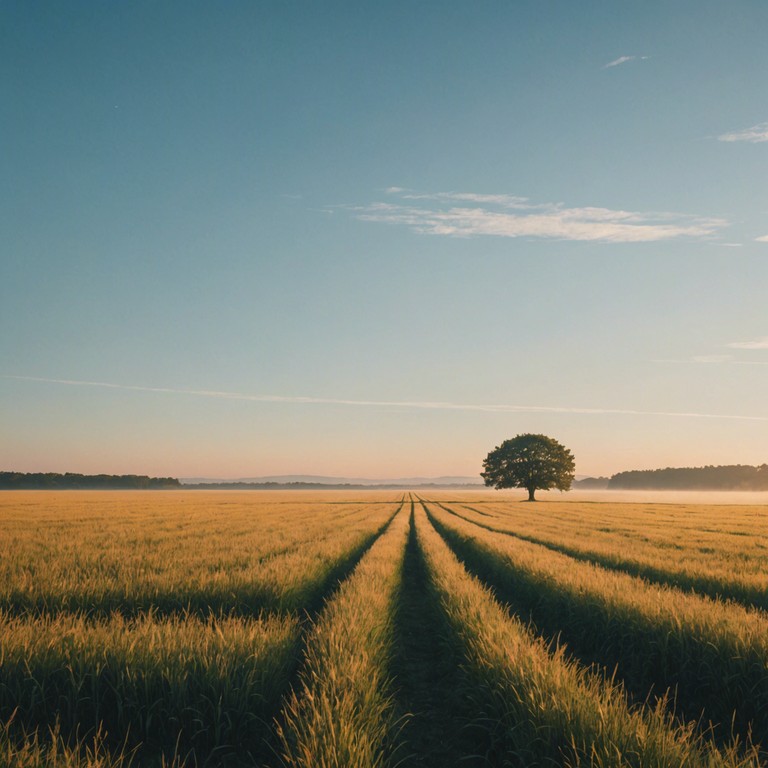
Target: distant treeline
pixel 304 486
pixel 56 481
pixel 735 477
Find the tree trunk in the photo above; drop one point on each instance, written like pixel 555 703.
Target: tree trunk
pixel 531 491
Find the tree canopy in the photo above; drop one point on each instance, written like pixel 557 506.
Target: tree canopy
pixel 533 462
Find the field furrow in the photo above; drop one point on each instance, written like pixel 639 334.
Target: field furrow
pixel 341 714
pixel 538 707
pixel 714 655
pixel 196 685
pixel 739 577
pixel 425 669
pixel 259 560
pixel 359 630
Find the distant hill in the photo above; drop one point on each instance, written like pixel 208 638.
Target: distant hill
pixel 733 477
pixel 591 483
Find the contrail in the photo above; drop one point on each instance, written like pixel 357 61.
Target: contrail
pixel 422 404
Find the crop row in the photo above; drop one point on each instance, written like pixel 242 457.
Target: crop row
pixel 731 576
pixel 341 713
pixel 657 518
pixel 535 705
pixel 183 685
pixel 696 531
pixel 543 708
pixel 710 536
pixel 192 689
pixel 266 561
pixel 714 654
pixel 200 684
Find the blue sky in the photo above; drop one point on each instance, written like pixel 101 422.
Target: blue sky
pixel 377 239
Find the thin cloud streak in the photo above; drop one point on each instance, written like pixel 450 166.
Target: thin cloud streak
pixel 754 135
pixel 514 216
pixel 417 404
pixel 624 60
pixel 752 344
pixel 709 360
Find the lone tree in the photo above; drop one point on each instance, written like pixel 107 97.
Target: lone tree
pixel 531 462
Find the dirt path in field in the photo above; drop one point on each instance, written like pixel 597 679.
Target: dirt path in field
pixel 425 674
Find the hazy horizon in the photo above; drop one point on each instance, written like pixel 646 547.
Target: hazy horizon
pixel 378 240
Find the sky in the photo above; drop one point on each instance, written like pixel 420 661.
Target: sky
pixel 377 239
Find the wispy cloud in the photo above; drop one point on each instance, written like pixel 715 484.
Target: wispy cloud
pixel 419 404
pixel 711 359
pixel 762 239
pixel 623 60
pixel 725 359
pixel 753 344
pixel 465 214
pixel 754 135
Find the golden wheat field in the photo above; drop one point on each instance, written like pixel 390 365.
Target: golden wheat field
pixel 379 628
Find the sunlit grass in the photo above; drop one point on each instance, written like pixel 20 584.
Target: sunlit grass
pixel 51 750
pixel 239 628
pixel 542 707
pixel 714 654
pixel 717 551
pixel 169 552
pixel 163 627
pixel 206 683
pixel 341 713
